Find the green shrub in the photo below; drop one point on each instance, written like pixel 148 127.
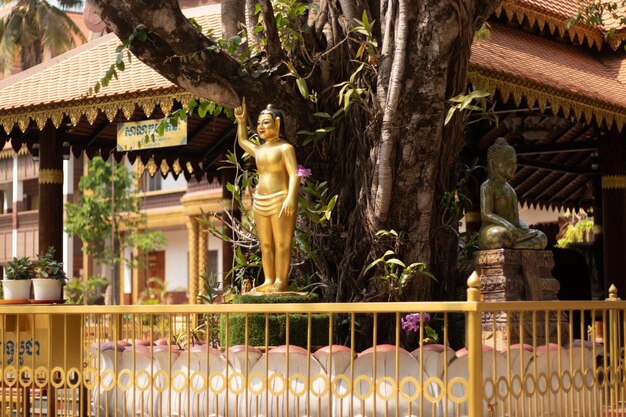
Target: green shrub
pixel 275 299
pixel 277 329
pixel 277 323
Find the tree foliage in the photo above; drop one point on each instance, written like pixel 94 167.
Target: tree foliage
pixel 366 87
pixel 35 26
pixel 606 15
pixel 107 216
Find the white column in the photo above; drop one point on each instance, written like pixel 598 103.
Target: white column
pixel 18 195
pixel 68 191
pixel 128 272
pixel 5 201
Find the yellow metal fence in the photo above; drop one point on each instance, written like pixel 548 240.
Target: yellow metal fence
pixel 542 359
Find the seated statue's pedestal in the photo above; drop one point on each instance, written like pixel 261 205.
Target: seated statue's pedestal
pixel 516 275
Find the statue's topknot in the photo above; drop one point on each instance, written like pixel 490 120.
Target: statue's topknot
pixel 498 150
pixel 501 146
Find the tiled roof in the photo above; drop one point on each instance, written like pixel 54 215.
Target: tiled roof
pixel 555 14
pixel 563 8
pixel 511 56
pixel 69 76
pixel 566 9
pixel 553 73
pixel 57 90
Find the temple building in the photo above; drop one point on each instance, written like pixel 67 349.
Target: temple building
pixel 560 96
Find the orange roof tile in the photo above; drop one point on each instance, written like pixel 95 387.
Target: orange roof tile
pixel 521 59
pixel 69 76
pixel 567 9
pixel 568 71
pixel 557 13
pixel 564 8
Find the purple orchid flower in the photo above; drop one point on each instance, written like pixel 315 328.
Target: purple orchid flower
pixel 303 173
pixel 411 322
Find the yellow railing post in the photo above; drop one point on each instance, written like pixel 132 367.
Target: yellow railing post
pixel 473 340
pixel 613 344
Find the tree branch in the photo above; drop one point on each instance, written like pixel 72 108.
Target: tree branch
pixel 233 15
pixel 274 50
pixel 389 132
pixel 388 16
pixel 216 77
pixel 251 20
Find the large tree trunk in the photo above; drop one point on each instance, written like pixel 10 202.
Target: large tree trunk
pixel 424 154
pixel 392 159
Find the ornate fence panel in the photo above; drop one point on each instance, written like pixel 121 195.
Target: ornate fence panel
pixel 561 359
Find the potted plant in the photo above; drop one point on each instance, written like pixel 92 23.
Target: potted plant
pixel 16 283
pixel 49 277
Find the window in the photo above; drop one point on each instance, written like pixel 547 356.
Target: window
pixel 154 183
pixel 213 262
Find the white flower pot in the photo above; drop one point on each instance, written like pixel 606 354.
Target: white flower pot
pixel 47 289
pixel 16 289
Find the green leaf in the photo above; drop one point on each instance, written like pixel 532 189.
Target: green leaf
pixel 203 109
pixel 373 264
pixel 304 90
pixel 479 94
pixel 161 128
pixel 338 113
pixel 395 261
pixel 346 98
pixel 451 111
pixel 457 99
pixel 332 202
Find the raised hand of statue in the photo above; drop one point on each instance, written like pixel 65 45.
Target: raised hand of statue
pixel 241 112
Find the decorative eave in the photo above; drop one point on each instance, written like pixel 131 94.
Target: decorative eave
pixel 56 92
pixel 89 108
pixel 163 167
pixel 511 87
pixel 516 12
pixel 10 153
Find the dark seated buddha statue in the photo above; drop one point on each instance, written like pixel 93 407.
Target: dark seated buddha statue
pixel 501 226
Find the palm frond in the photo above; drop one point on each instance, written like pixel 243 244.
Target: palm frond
pixel 70 4
pixel 58 30
pixel 10 38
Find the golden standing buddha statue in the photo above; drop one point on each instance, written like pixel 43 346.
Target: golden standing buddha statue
pixel 275 199
pixel 501 226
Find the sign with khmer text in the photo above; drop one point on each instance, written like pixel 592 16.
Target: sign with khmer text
pixel 143 135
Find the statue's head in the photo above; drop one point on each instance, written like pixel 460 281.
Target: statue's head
pixel 269 125
pixel 501 159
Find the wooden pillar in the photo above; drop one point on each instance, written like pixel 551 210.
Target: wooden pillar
pixel 17 204
pixel 50 192
pixel 192 235
pixel 88 267
pixel 598 238
pixel 203 255
pixel 613 185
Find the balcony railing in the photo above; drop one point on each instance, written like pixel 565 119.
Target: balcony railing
pixel 314 360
